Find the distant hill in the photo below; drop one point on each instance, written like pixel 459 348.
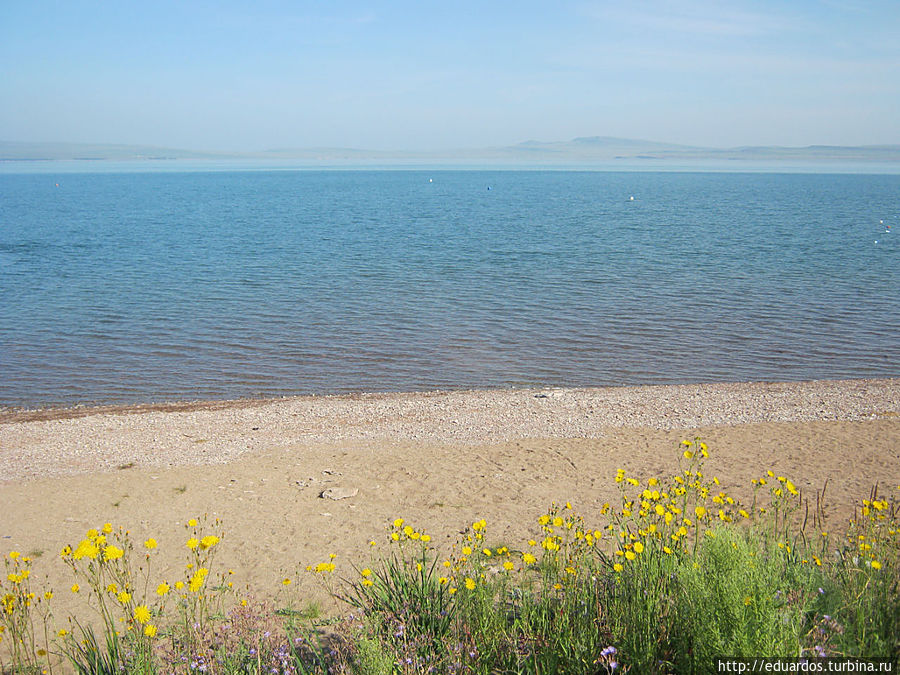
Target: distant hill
pixel 578 150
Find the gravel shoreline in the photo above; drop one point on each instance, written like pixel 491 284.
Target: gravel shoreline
pixel 60 442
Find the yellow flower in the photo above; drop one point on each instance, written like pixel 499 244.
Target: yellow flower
pixel 700 511
pixel 470 584
pixel 150 543
pixel 443 581
pixel 688 454
pixel 107 528
pixel 618 567
pixel 408 531
pixel 150 630
pixel 876 565
pixel 667 550
pixel 14 554
pixel 208 541
pixel 398 523
pixel 86 549
pixel 162 589
pixel 124 597
pixel 178 586
pixel 142 614
pixel 686 443
pixel 366 572
pixel 62 632
pixel 630 555
pixel 528 559
pixel 508 566
pixel 197 580
pixel 748 600
pixel 487 552
pixel 192 522
pixel 466 550
pixel 75 588
pixel 638 547
pixel 193 543
pixel 48 595
pixel 113 552
pixel 479 525
pixel 426 538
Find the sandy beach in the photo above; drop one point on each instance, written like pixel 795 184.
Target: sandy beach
pixel 440 460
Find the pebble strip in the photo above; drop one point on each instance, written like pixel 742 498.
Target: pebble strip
pixel 49 443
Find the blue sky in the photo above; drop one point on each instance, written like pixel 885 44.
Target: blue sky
pixel 430 76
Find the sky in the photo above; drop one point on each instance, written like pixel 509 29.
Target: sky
pixel 402 75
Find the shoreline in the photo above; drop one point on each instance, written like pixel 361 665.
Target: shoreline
pixel 14 413
pixel 58 442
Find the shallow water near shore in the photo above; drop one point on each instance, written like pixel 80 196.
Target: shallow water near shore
pixel 136 287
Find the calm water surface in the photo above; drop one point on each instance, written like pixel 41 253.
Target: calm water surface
pixel 134 287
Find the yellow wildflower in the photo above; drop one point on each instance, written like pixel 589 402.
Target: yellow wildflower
pixel 75 588
pixel 528 559
pixel 150 543
pixel 141 614
pixel 193 543
pixel 470 584
pixel 150 630
pixel 113 552
pixel 162 589
pixel 208 541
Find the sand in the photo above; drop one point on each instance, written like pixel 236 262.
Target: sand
pixel 440 460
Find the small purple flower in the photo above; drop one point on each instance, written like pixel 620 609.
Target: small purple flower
pixel 821 591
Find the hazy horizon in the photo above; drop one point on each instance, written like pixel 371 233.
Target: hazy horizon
pixel 224 77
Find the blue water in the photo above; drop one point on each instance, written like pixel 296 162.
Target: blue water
pixel 137 287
